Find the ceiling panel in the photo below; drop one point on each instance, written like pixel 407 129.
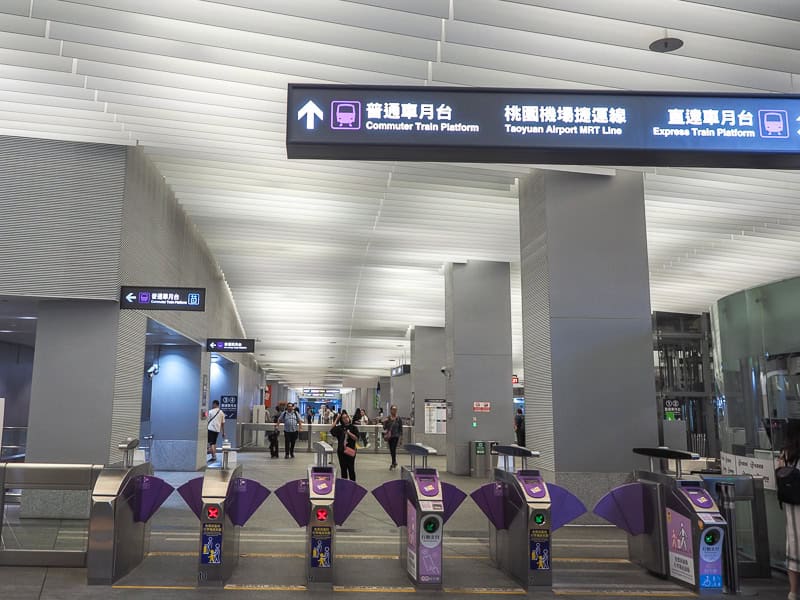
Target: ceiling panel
pixel 332 262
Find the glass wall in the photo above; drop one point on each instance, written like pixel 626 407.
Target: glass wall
pixel 757 374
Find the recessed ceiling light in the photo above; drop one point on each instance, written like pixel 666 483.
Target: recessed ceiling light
pixel 6 331
pixel 666 44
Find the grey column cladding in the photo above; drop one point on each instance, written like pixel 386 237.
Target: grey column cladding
pixel 428 356
pixel 401 396
pixel 72 388
pixel 478 349
pixel 589 385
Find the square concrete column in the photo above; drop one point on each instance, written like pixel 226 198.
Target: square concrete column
pixel 478 346
pixel 588 351
pixel 428 356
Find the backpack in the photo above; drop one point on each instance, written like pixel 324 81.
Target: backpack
pixel 787 481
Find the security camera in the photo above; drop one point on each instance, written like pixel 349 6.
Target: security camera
pixel 152 370
pixel 443 370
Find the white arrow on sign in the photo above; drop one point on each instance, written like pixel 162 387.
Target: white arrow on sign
pixel 130 297
pixel 309 112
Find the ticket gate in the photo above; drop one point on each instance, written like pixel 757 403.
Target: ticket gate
pixel 675 529
pixel 420 504
pixel 223 501
pixel 321 532
pixel 123 500
pixel 319 502
pixel 523 512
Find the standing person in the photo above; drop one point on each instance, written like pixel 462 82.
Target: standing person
pixel 216 425
pixel 790 455
pixel 359 419
pixel 346 433
pixel 519 427
pixel 392 432
pixel 292 425
pixel 325 418
pixel 273 436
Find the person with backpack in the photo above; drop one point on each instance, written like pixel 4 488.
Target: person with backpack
pixel 787 479
pixel 292 426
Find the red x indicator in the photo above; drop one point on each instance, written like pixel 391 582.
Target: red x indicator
pixel 212 512
pixel 322 514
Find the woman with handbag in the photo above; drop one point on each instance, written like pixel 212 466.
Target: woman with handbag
pixel 392 432
pixel 347 434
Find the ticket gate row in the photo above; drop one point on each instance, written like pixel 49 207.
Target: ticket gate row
pixel 675 527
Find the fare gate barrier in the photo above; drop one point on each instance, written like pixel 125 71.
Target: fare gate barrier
pixel 420 504
pixel 523 512
pixel 123 500
pixel 219 537
pixel 320 502
pixel 675 529
pixel 321 532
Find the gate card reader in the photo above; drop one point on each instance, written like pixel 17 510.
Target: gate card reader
pixel 321 528
pixel 523 512
pixel 420 504
pixel 674 527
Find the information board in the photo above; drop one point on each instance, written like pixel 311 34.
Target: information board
pixel 162 298
pixel 542 126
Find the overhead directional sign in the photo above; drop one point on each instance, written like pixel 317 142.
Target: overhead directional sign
pixel 163 298
pixel 547 127
pixel 231 345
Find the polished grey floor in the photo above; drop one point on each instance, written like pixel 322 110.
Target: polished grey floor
pixel 589 562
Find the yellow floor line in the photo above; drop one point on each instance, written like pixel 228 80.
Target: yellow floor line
pixel 373 589
pixel 609 561
pixel 271 555
pixel 154 587
pixel 268 588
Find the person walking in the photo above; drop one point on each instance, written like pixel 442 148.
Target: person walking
pixel 292 425
pixel 359 419
pixel 273 436
pixel 392 432
pixel 519 427
pixel 216 425
pixel 789 457
pixel 346 433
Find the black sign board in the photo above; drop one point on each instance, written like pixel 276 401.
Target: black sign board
pixel 229 405
pixel 401 370
pixel 163 298
pixel 230 345
pixel 542 126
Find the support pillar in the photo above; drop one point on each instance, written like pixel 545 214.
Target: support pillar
pixel 588 350
pixel 478 347
pixel 428 356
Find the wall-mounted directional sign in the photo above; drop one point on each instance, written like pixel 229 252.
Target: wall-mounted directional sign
pixel 230 345
pixel 163 298
pixel 548 127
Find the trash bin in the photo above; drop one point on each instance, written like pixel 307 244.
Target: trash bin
pixel 480 458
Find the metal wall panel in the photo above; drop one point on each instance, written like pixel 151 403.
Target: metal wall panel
pixel 536 322
pixel 61 207
pixel 161 246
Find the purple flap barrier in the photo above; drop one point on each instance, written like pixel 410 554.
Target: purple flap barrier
pixel 490 499
pixel 244 498
pixel 192 494
pixel 564 506
pixel 348 495
pixel 147 493
pixel 392 497
pixel 624 507
pixel 294 497
pixel 452 497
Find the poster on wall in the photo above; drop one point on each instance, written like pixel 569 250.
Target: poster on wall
pixel 435 416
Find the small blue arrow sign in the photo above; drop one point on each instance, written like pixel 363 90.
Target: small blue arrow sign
pixel 310 112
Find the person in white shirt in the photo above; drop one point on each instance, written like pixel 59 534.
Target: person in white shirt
pixel 216 425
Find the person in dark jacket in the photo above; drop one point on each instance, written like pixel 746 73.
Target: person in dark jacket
pixel 347 434
pixel 392 433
